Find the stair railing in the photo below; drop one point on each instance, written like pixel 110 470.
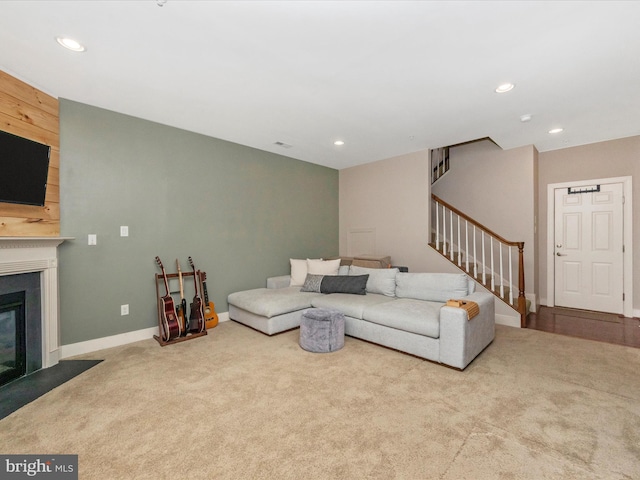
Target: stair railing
pixel 453 228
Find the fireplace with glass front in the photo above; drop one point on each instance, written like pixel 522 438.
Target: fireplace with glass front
pixel 13 349
pixel 29 322
pixel 20 326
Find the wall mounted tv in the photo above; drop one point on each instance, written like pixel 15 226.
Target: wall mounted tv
pixel 24 165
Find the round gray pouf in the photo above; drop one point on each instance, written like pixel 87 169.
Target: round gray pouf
pixel 322 330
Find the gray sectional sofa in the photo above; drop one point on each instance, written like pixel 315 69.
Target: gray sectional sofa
pixel 402 311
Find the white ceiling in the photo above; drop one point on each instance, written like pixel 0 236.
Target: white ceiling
pixel 387 77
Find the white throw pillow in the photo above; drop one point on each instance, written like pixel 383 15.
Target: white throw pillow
pixel 299 271
pixel 323 267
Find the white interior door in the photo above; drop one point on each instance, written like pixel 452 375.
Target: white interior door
pixel 589 248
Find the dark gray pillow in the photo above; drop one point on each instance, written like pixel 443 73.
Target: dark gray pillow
pixel 354 284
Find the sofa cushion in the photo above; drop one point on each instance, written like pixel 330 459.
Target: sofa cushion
pixel 350 305
pixel 415 316
pixel 353 284
pixel 270 302
pixel 381 281
pixel 432 287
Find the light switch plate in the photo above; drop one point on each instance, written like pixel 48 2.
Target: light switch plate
pixel 93 239
pixel 124 231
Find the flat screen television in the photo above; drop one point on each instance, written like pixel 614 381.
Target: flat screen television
pixel 24 165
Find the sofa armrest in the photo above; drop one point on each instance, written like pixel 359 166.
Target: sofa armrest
pixel 461 340
pixel 279 282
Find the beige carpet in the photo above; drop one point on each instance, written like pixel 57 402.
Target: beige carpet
pixel 240 405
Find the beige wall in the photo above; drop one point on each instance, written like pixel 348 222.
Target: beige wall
pixel 496 188
pixel 388 200
pixel 615 158
pixel 384 206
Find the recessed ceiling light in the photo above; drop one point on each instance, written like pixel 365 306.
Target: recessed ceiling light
pixel 70 44
pixel 505 87
pixel 338 143
pixel 526 117
pixel 555 130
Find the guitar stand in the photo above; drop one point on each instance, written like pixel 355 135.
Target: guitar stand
pixel 188 336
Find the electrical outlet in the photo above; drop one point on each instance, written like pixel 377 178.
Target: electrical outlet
pixel 93 239
pixel 124 309
pixel 124 231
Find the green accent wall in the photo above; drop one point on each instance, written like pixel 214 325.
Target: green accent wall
pixel 239 212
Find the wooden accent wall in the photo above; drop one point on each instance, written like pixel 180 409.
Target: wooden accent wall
pixel 30 113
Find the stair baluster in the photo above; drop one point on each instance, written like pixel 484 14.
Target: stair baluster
pixel 437 227
pixel 451 236
pixel 444 230
pixel 459 252
pixel 501 274
pixel 484 261
pixel 510 279
pixel 466 245
pixel 475 255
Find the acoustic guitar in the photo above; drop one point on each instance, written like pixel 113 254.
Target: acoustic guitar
pixel 182 307
pixel 196 319
pixel 169 322
pixel 210 315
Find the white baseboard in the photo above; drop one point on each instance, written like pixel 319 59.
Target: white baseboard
pixel 507 320
pixel 106 342
pixel 94 345
pixel 534 301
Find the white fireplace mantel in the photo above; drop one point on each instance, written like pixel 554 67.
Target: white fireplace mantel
pixel 38 254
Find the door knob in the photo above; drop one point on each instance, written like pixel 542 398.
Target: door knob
pixel 559 246
pixel 561 254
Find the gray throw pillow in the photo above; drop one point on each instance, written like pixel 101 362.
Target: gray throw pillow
pixel 312 283
pixel 354 284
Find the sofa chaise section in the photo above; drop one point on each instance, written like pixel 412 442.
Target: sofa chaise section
pixel 403 311
pixel 270 310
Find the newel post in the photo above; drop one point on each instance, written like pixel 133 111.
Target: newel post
pixel 522 301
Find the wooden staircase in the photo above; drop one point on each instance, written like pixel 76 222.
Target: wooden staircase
pixel 503 293
pixel 454 233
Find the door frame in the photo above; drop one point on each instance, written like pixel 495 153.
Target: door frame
pixel 627 257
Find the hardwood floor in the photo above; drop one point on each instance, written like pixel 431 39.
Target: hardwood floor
pixel 604 327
